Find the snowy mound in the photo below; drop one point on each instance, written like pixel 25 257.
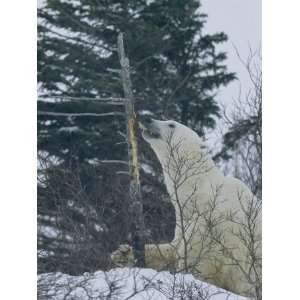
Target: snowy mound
pixel 125 283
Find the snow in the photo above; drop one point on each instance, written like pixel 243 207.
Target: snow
pixel 43 253
pixel 147 169
pixel 69 129
pixel 93 161
pixel 148 2
pixel 49 122
pixel 129 283
pixel 98 228
pixel 145 113
pixel 166 37
pixel 49 231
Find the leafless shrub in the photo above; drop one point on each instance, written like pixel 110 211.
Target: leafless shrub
pixel 243 140
pixel 78 217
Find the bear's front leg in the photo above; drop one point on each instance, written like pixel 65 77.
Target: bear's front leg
pixel 123 256
pixel 161 256
pixel 157 256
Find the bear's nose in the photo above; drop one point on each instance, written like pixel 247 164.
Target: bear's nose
pixel 147 120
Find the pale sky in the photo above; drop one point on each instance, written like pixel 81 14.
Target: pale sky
pixel 241 21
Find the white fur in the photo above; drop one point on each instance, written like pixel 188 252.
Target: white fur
pixel 202 187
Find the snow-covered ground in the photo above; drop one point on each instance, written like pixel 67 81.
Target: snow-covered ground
pixel 126 283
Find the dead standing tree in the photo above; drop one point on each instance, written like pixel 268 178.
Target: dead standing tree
pixel 137 227
pixel 136 205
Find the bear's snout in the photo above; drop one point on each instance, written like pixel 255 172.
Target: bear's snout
pixel 149 127
pixel 146 120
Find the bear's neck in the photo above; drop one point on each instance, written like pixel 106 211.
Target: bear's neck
pixel 193 175
pixel 189 170
pixel 193 160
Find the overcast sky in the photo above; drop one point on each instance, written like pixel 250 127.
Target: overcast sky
pixel 241 21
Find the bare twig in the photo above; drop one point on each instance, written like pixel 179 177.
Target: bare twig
pixel 113 162
pixel 59 114
pixel 105 100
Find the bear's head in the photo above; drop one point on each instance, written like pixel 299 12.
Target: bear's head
pixel 166 135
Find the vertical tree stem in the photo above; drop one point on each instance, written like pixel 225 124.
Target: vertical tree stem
pixel 136 205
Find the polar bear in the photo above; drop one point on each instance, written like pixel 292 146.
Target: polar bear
pixel 218 220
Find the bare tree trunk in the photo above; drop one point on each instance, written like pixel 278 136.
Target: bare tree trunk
pixel 136 205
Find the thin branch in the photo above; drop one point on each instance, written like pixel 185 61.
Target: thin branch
pixel 122 135
pixel 58 114
pixel 113 70
pixel 107 100
pixel 123 173
pixel 113 161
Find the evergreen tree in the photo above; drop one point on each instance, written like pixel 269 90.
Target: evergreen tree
pixel 176 68
pixel 176 71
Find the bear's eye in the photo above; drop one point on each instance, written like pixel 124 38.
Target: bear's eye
pixel 172 125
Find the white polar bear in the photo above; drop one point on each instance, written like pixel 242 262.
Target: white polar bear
pixel 218 220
